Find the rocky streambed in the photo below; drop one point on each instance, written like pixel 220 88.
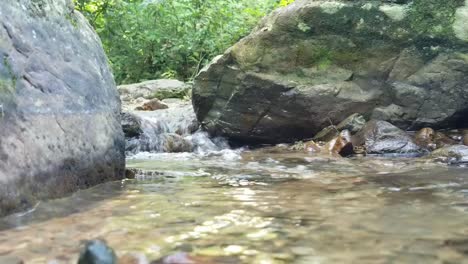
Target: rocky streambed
pixel 334 133
pixel 357 185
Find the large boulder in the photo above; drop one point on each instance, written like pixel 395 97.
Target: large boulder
pixel 59 108
pixel 317 62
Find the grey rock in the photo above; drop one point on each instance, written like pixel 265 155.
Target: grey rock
pixel 131 125
pixel 59 123
pixel 456 154
pixel 381 137
pixel 97 252
pixel 160 89
pixel 354 123
pixel 317 62
pixel 327 134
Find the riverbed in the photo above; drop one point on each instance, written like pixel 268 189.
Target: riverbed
pixel 258 206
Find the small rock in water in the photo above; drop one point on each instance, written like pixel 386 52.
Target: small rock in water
pixel 311 146
pixel 354 123
pixel 152 105
pixel 131 125
pixel 442 140
pixel 381 137
pixel 425 138
pixel 97 252
pixel 341 145
pixel 465 139
pixel 456 154
pixel 129 174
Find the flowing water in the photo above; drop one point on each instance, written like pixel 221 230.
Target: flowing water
pixel 252 206
pixel 241 206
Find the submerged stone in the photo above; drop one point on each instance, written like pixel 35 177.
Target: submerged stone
pixel 456 154
pixel 425 138
pixel 97 252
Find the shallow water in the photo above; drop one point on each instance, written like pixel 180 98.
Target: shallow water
pixel 259 207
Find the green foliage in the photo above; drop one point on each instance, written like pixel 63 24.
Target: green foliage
pixel 150 39
pixel 285 2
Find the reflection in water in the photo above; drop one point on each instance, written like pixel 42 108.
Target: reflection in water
pixel 259 207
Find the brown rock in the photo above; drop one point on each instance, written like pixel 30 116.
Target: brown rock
pixel 152 105
pixel 442 140
pixel 311 146
pixel 425 138
pixel 465 139
pixel 341 145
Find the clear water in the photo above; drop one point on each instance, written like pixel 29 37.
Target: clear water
pixel 259 207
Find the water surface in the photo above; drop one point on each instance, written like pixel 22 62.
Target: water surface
pixel 259 207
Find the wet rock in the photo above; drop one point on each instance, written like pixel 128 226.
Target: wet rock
pixel 59 119
pixel 152 105
pixel 165 130
pixel 97 252
pixel 130 174
pixel 381 137
pixel 327 134
pixel 341 145
pixel 159 89
pixel 354 123
pixel 311 146
pixel 456 154
pixel 175 143
pixel 465 139
pixel 425 138
pixel 442 140
pixel 131 125
pixel 316 63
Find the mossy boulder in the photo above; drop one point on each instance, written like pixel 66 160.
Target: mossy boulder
pixel 59 108
pixel 317 62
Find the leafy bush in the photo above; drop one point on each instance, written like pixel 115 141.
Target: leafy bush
pixel 150 39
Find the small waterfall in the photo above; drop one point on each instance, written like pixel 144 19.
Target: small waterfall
pixel 171 130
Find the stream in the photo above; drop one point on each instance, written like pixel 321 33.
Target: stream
pixel 265 205
pixel 258 206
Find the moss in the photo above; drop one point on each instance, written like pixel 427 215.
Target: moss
pixel 164 94
pixel 434 18
pixel 72 19
pixel 11 76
